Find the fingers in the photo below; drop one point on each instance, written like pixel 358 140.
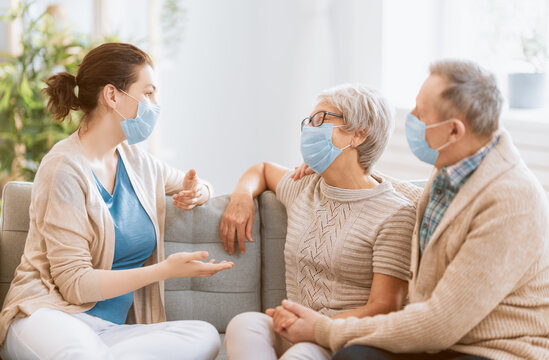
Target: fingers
pixel 190 179
pixel 210 269
pixel 230 238
pixel 249 228
pixel 270 312
pixel 294 308
pixel 197 255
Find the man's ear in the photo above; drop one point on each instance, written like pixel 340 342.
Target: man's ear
pixel 458 130
pixel 109 96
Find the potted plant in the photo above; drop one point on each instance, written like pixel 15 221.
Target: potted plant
pixel 27 131
pixel 527 89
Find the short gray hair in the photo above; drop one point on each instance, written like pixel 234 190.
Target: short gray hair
pixel 364 110
pixel 472 92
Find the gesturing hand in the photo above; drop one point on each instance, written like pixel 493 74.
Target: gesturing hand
pixel 183 264
pixel 238 219
pixel 302 329
pixel 282 318
pixel 194 192
pixel 301 171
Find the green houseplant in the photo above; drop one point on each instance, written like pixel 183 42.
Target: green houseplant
pixel 27 131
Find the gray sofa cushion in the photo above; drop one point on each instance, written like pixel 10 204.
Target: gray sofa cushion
pixel 219 298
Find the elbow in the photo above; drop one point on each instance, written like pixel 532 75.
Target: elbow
pixel 79 287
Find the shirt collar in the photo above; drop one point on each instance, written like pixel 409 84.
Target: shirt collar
pixel 459 172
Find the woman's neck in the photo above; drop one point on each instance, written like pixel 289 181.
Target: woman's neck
pixel 99 138
pixel 347 175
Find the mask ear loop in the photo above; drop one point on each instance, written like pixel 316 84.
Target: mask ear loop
pixel 337 126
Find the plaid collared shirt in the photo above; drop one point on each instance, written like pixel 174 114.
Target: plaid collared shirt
pixel 445 187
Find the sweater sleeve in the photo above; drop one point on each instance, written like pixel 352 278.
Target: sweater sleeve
pixel 287 189
pixel 60 211
pixel 392 247
pixel 504 241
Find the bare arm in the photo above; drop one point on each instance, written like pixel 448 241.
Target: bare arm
pixel 386 295
pixel 238 218
pixel 113 283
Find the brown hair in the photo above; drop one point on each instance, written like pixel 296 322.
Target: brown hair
pixel 110 63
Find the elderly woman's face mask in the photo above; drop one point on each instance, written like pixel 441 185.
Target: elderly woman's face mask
pixel 317 148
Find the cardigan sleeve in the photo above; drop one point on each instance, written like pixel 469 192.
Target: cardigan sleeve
pixel 60 209
pixel 504 241
pixel 173 178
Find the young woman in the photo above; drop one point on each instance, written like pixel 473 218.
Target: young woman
pixel 347 249
pixel 94 255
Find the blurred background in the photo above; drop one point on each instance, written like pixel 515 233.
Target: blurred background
pixel 236 77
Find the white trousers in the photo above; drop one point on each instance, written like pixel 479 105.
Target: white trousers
pixel 251 336
pixel 52 334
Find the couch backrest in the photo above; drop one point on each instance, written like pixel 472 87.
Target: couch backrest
pixel 255 283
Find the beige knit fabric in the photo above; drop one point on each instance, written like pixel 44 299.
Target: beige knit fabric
pixel 71 234
pixel 482 286
pixel 338 238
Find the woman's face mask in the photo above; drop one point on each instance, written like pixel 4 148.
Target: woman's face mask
pixel 142 126
pixel 317 148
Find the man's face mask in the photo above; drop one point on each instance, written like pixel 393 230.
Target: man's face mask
pixel 415 134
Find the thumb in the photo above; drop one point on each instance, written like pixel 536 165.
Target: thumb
pixel 197 255
pixel 189 180
pixel 294 308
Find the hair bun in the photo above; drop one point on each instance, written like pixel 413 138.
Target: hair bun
pixel 62 97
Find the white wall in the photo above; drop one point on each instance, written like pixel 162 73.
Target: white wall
pixel 248 72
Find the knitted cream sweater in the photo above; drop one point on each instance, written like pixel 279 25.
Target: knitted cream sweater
pixel 338 238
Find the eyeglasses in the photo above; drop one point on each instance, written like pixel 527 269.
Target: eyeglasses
pixel 317 119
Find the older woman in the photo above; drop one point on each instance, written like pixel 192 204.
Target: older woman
pixel 347 248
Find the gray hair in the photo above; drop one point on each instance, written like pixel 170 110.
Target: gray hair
pixel 472 92
pixel 366 111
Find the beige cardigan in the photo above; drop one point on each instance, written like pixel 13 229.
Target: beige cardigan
pixel 482 286
pixel 71 234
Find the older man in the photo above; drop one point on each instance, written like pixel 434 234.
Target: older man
pixel 479 280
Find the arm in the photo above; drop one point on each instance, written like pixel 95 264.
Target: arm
pixel 238 218
pixel 386 295
pixel 113 283
pixel 68 234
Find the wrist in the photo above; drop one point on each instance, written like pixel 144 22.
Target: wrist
pixel 160 271
pixel 242 194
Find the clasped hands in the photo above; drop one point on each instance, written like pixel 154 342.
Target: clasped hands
pixel 294 322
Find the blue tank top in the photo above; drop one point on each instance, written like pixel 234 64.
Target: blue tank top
pixel 135 240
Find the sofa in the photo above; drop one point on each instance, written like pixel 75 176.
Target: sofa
pixel 255 283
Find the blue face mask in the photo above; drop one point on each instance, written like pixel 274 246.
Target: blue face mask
pixel 415 134
pixel 140 128
pixel 317 148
